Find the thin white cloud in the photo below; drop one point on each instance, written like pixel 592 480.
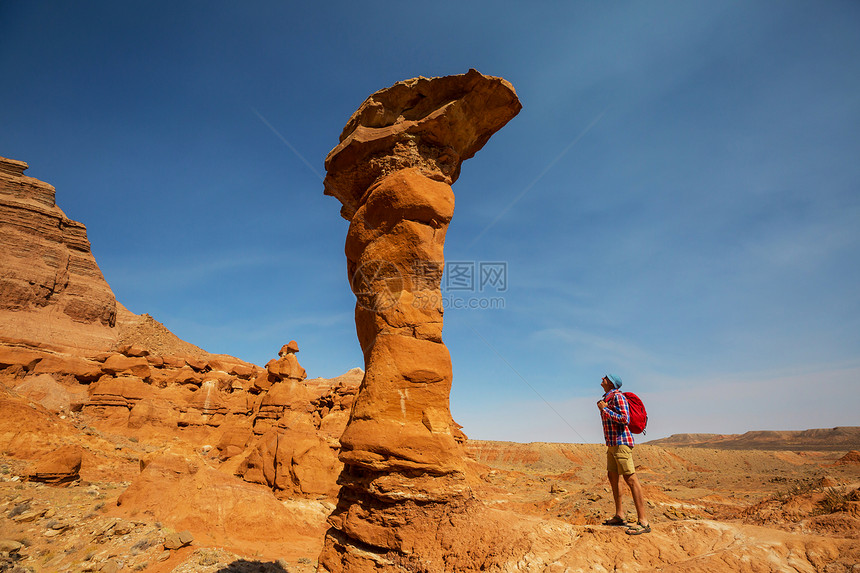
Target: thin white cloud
pixel 587 347
pixel 802 247
pixel 177 272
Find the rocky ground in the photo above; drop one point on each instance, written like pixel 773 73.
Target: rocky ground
pixel 802 505
pixel 566 481
pixel 79 526
pixel 221 484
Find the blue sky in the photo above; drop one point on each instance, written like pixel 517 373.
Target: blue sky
pixel 678 201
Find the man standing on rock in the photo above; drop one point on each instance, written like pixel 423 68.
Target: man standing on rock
pixel 615 414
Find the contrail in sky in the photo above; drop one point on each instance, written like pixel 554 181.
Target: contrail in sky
pixel 287 143
pixel 552 163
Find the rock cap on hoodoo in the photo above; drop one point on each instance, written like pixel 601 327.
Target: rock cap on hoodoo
pixel 431 123
pixel 290 348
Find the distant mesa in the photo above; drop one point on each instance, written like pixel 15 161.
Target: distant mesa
pixel 832 439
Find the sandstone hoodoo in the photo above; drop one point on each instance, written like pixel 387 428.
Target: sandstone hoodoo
pixel 392 171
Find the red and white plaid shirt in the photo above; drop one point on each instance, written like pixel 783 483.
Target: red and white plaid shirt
pixel 615 417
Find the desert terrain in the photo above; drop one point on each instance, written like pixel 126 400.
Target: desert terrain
pixel 124 448
pixel 712 509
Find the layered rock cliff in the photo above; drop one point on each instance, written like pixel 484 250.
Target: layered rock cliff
pixel 68 345
pixel 51 288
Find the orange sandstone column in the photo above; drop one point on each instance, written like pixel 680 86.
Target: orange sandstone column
pixel 392 171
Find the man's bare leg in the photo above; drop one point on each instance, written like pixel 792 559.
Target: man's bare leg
pixel 638 499
pixel 615 484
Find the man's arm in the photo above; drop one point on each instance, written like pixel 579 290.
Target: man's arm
pixel 617 409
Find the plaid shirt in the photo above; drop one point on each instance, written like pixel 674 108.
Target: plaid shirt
pixel 615 417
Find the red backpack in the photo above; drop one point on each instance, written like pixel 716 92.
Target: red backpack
pixel 638 415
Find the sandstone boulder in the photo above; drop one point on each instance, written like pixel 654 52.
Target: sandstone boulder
pixel 29 431
pixel 156 412
pixel 176 540
pixel 173 361
pixel 53 395
pixel 26 358
pixel 185 494
pixel 112 399
pixel 10 546
pixel 80 368
pixel 294 461
pixel 185 376
pixel 197 364
pixel 133 350
pixel 60 466
pixel 263 381
pixel 121 364
pixel 241 370
pixel 232 366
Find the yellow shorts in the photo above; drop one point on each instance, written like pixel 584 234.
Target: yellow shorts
pixel 619 460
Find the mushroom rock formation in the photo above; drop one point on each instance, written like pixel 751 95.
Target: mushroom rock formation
pixel 289 348
pixel 286 366
pixel 392 171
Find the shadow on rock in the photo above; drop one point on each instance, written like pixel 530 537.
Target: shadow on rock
pixel 243 566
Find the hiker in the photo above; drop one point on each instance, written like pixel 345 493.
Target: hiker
pixel 615 414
